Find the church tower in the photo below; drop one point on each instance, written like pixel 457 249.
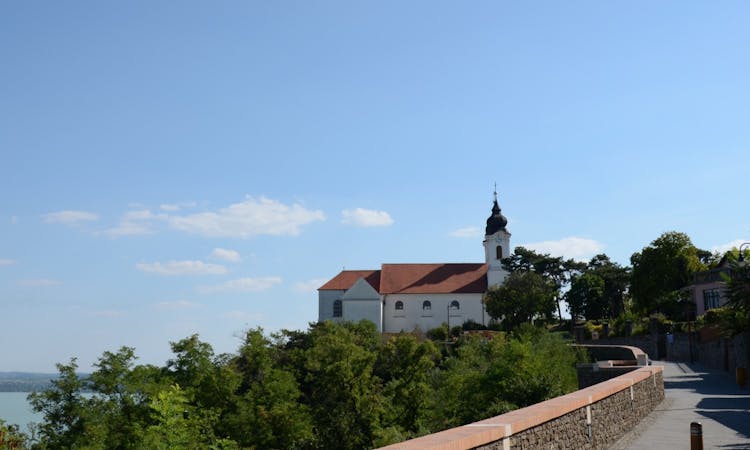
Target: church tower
pixel 496 246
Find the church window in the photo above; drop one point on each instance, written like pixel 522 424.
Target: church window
pixel 399 305
pixel 337 308
pixel 426 305
pixel 499 251
pixel 711 299
pixel 455 305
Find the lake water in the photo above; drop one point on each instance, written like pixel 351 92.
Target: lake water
pixel 15 409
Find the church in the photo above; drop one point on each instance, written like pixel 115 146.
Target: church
pixel 402 297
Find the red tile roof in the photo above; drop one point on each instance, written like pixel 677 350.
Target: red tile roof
pixel 346 279
pixel 417 279
pixel 433 278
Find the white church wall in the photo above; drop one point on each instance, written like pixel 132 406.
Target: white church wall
pixel 325 304
pixel 356 310
pixel 413 315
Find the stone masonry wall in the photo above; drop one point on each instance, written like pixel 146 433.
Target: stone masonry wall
pixel 610 419
pixel 587 376
pixel 722 354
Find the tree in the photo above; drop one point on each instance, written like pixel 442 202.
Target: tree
pixel 599 292
pixel 268 411
pixel 63 408
pixel 555 269
pixel 586 297
pixel 523 296
pixel 179 425
pixel 738 291
pixel 344 394
pixel 661 270
pixel 405 365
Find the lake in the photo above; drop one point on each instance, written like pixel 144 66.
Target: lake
pixel 15 409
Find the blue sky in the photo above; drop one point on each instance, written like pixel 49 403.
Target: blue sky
pixel 203 168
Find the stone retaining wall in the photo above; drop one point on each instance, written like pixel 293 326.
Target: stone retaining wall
pixel 708 350
pixel 589 418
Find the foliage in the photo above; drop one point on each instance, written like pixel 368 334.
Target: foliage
pixel 586 296
pixel 616 282
pixel 554 269
pixel 738 288
pixel 728 320
pixel 333 386
pixel 10 437
pixel 660 270
pixel 490 377
pixel 523 296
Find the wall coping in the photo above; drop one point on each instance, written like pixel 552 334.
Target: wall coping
pixel 495 428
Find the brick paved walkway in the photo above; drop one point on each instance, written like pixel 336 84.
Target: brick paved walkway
pixel 694 394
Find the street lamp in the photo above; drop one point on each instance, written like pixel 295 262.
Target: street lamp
pixel 448 308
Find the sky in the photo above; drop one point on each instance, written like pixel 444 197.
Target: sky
pixel 204 167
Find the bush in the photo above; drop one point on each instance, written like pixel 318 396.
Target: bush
pixel 471 325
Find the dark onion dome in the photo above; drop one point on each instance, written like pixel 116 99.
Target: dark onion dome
pixel 496 221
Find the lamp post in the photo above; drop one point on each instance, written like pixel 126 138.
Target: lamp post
pixel 448 313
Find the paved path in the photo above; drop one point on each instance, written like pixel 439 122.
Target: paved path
pixel 694 394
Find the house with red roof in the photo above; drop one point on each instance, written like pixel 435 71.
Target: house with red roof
pixel 402 297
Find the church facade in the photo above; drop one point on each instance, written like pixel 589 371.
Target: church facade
pixel 402 297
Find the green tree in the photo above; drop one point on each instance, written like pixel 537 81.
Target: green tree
pixel 405 365
pixel 523 296
pixel 616 282
pixel 11 438
pixel 489 377
pixel 63 409
pixel 660 270
pixel 207 378
pixel 555 269
pixel 268 411
pixel 344 394
pixel 586 297
pixel 179 425
pixel 738 291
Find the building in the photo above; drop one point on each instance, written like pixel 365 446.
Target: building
pixel 709 289
pixel 400 297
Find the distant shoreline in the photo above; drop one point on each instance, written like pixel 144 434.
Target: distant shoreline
pixel 27 381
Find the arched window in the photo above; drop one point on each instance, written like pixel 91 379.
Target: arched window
pixel 455 305
pixel 337 308
pixel 426 305
pixel 399 305
pixel 499 251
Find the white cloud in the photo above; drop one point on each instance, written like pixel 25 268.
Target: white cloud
pixel 172 207
pixel 43 282
pixel 723 248
pixel 467 232
pixel 310 285
pixel 135 223
pixel 175 305
pixel 226 254
pixel 182 268
pixel 244 285
pixel 14 220
pixel 7 262
pixel 252 217
pixel 570 247
pixel 366 217
pixel 70 217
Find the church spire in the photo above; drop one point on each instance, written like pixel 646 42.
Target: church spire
pixel 496 244
pixel 497 221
